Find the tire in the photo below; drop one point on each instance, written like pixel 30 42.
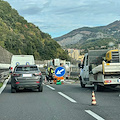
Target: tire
pixel 113 86
pixel 81 83
pixel 98 87
pixel 9 82
pixel 40 89
pixel 13 90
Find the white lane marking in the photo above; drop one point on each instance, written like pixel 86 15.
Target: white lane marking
pixel 4 85
pixel 50 87
pixel 94 115
pixel 67 97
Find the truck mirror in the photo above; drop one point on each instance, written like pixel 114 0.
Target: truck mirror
pixel 90 69
pixel 79 65
pixel 82 66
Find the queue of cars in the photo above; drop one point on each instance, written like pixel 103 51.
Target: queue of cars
pixel 26 76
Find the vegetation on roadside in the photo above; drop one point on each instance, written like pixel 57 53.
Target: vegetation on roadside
pixel 1 84
pixel 20 37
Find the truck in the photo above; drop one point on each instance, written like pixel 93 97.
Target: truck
pixel 100 68
pixel 21 60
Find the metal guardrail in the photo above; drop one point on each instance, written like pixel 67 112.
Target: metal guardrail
pixel 4 75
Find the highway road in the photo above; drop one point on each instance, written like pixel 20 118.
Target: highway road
pixel 60 102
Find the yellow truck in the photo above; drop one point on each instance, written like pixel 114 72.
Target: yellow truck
pixel 100 68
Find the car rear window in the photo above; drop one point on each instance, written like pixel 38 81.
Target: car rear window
pixel 27 68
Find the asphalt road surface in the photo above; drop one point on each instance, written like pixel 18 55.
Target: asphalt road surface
pixel 60 102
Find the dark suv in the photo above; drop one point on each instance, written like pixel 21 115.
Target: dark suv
pixel 26 76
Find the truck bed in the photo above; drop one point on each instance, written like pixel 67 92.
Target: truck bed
pixel 111 67
pixel 107 68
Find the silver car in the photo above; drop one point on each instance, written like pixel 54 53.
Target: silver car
pixel 26 77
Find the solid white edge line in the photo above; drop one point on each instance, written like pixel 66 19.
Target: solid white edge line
pixel 67 97
pixel 50 87
pixel 4 85
pixel 94 115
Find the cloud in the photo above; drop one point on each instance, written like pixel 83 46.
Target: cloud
pixel 94 7
pixel 30 7
pixel 60 16
pixel 31 10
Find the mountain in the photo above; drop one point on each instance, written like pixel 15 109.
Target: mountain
pixel 91 37
pixel 20 37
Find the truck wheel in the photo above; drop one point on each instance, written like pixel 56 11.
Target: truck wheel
pixel 40 89
pixel 97 87
pixel 81 83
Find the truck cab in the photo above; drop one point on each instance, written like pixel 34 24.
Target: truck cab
pixel 84 73
pixel 100 68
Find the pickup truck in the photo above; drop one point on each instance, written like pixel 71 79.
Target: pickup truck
pixel 100 68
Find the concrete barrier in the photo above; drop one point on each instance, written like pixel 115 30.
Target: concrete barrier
pixel 4 75
pixel 4 66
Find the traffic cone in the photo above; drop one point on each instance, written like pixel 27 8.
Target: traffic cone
pixel 93 98
pixel 62 81
pixel 45 80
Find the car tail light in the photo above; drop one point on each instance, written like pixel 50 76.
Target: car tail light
pixel 37 74
pixel 15 74
pixel 37 82
pixel 17 82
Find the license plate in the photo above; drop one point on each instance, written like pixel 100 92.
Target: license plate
pixel 27 75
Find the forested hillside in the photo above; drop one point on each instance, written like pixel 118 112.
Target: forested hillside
pixel 20 37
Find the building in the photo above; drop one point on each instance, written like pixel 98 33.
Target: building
pixel 74 53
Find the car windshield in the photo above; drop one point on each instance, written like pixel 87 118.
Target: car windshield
pixel 27 68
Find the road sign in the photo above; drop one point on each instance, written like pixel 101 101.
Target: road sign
pixel 59 71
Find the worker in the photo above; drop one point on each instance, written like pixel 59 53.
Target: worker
pixel 61 64
pixel 50 74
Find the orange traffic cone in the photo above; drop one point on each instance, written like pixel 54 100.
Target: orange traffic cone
pixel 93 98
pixel 45 80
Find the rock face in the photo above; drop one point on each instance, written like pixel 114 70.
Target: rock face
pixel 5 56
pixel 88 37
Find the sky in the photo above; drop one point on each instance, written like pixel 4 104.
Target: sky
pixel 58 17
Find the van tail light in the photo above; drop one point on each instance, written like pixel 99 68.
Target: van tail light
pixel 15 75
pixel 11 68
pixel 37 74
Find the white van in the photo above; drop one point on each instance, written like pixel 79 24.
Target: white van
pixel 21 60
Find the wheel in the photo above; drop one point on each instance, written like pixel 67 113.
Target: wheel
pixel 13 90
pixel 81 83
pixel 114 86
pixel 9 81
pixel 98 87
pixel 40 89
